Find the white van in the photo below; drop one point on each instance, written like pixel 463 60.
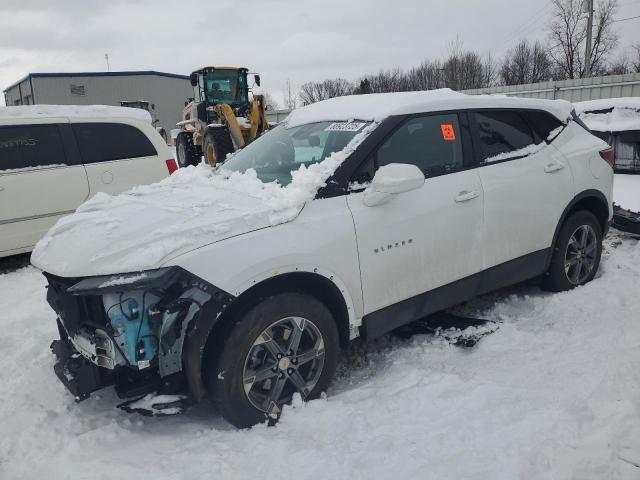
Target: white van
pixel 53 158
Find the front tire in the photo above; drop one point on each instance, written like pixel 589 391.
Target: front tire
pixel 577 253
pixel 288 343
pixel 216 145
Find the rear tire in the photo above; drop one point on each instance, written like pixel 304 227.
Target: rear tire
pixel 186 151
pixel 576 254
pixel 260 364
pixel 217 144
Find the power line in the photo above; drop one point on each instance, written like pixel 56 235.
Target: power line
pixel 625 19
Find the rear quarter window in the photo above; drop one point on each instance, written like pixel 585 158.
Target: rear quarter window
pixel 103 142
pixel 31 146
pixel 502 134
pixel 543 123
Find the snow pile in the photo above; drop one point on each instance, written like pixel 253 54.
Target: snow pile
pixel 552 394
pixel 626 191
pixel 148 225
pixel 73 111
pixel 611 114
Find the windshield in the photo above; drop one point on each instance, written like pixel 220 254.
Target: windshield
pixel 226 86
pixel 282 150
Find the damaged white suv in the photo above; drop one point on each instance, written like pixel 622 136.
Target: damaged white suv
pixel 355 216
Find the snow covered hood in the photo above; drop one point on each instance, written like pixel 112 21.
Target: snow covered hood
pixel 146 227
pixel 73 111
pixel 610 114
pixel 378 106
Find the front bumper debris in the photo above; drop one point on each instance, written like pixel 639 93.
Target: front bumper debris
pixel 79 375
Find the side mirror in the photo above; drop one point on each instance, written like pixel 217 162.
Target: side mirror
pixel 256 78
pixel 193 78
pixel 391 180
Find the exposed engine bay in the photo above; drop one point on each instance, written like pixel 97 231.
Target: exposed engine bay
pixel 130 331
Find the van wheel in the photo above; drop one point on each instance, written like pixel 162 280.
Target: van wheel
pixel 286 344
pixel 216 145
pixel 186 152
pixel 576 255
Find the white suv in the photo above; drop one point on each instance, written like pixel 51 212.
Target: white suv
pixel 53 158
pixel 355 216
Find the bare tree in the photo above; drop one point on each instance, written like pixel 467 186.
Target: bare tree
pixel 620 66
pixel 272 104
pixel 312 92
pixel 636 60
pixel 526 63
pixel 567 35
pixel 464 70
pixel 290 98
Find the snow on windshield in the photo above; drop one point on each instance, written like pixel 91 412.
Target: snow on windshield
pixel 149 224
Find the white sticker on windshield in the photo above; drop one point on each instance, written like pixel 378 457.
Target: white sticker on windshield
pixel 345 127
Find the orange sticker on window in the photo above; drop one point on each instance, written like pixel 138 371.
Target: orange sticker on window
pixel 448 133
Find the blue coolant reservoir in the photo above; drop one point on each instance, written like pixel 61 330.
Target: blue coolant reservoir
pixel 130 322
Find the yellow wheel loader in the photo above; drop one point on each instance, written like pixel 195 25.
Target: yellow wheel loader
pixel 220 118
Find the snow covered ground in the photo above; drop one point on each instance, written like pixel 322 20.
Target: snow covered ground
pixel 554 393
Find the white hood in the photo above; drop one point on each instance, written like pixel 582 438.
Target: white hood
pixel 150 225
pixel 147 226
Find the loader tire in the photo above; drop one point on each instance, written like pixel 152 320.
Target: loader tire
pixel 217 144
pixel 186 151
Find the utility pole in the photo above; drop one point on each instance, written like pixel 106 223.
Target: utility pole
pixel 106 57
pixel 588 6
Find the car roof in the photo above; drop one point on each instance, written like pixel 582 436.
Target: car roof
pixel 72 112
pixel 378 106
pixel 610 114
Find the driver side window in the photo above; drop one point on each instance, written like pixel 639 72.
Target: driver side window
pixel 432 143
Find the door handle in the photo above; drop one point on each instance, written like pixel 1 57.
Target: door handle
pixel 465 196
pixel 553 167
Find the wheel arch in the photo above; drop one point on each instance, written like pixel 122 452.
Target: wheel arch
pixel 592 201
pixel 213 329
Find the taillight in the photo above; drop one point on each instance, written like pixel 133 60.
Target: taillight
pixel 172 166
pixel 608 155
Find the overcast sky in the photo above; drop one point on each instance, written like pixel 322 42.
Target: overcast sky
pixel 300 40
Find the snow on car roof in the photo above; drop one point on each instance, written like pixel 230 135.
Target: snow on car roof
pixel 610 114
pixel 72 111
pixel 378 106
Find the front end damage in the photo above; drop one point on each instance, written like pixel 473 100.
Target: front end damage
pixel 144 333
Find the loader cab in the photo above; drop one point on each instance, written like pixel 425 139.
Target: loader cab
pixel 221 85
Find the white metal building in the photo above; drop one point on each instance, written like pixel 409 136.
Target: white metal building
pixel 167 91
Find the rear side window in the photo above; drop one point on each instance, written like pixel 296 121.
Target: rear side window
pixel 31 146
pixel 503 135
pixel 543 123
pixel 102 142
pixel 432 143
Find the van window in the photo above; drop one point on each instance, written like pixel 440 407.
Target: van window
pixel 502 133
pixel 102 142
pixel 31 146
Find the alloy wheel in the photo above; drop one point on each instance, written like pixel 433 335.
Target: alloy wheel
pixel 581 253
pixel 287 357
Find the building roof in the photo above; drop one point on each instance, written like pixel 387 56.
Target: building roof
pixel 377 106
pixel 97 74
